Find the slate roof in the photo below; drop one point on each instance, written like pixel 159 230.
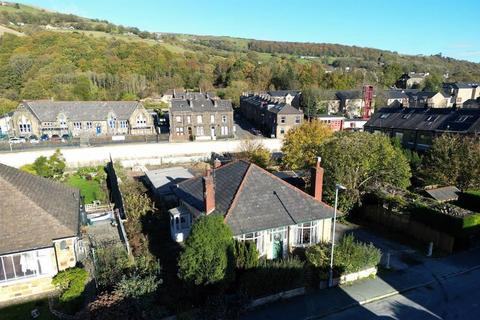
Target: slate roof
pixel 426 119
pixel 396 94
pixel 444 194
pixel 34 211
pixel 47 110
pixel 201 105
pixel 349 94
pixel 283 108
pixel 283 93
pixel 252 199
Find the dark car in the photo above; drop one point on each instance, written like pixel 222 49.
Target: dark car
pixel 256 132
pixel 44 137
pixel 66 137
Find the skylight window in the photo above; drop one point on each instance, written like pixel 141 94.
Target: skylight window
pixel 384 116
pixel 431 118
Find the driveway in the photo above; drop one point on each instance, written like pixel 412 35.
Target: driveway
pixel 242 128
pixel 401 256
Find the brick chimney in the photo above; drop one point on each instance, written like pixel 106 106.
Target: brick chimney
pixel 316 183
pixel 209 193
pixel 217 163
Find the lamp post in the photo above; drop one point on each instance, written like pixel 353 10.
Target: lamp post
pixel 337 188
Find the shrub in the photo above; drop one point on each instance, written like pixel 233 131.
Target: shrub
pixel 272 276
pixel 111 264
pixel 135 286
pixel 349 256
pixel 207 258
pixel 246 254
pixel 72 282
pixel 469 200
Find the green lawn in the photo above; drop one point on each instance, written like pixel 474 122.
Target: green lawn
pixel 22 311
pixel 90 189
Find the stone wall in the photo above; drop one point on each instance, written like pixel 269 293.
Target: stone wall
pixel 65 253
pixel 22 289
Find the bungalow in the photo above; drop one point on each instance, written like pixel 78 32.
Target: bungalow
pixel 257 206
pixel 39 229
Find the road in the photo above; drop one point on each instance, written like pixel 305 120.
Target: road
pixel 453 298
pixel 139 153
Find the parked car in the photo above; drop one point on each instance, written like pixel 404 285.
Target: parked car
pixel 33 139
pixel 44 137
pixel 55 138
pixel 16 140
pixel 66 137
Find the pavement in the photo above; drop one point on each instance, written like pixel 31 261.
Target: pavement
pixel 323 303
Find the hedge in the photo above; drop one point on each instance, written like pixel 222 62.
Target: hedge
pixel 470 200
pixel 272 276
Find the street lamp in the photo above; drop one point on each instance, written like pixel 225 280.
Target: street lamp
pixel 337 188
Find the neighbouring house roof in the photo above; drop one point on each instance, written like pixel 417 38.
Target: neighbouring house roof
pixel 47 110
pixel 35 210
pixel 200 104
pixel 396 94
pixel 426 119
pixel 252 199
pixel 444 194
pixel 283 108
pixel 283 93
pixel 163 179
pixel 471 103
pixel 464 85
pixel 349 94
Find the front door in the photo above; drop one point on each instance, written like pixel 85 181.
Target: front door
pixel 277 246
pixel 99 129
pixel 212 132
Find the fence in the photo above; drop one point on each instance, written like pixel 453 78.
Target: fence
pixel 404 224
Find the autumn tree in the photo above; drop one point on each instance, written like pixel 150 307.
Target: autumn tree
pixel 360 161
pixel 302 144
pixel 453 160
pixel 254 151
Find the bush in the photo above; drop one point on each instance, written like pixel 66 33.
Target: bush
pixel 349 256
pixel 208 255
pixel 272 276
pixel 469 200
pixel 111 264
pixel 72 281
pixel 135 286
pixel 246 254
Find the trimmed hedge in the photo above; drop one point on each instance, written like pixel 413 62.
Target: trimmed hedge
pixel 272 276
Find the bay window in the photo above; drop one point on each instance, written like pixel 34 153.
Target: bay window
pixel 306 233
pixel 255 237
pixel 27 264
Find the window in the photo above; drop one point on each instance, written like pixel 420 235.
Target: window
pixel 200 131
pixel 408 115
pixel 224 131
pixel 212 118
pixel 224 119
pixel 179 131
pixel 77 125
pixel 431 118
pixel 283 119
pixel 257 238
pixel 178 119
pixel 282 131
pixel 89 125
pixel 384 116
pixel 306 233
pixel 297 119
pixel 25 128
pixel 123 124
pixel 28 264
pixel 199 119
pixel 111 122
pixel 189 119
pixel 141 121
pixel 462 118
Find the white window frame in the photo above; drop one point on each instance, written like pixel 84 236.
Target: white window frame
pixel 141 121
pixel 224 118
pixel 77 125
pixel 178 119
pixel 89 124
pixel 257 238
pixel 224 131
pixel 199 119
pixel 200 131
pixel 179 131
pixel 40 264
pixel 212 119
pixel 301 230
pixel 123 124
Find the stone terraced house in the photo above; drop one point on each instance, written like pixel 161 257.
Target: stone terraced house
pixel 257 206
pixel 76 118
pixel 39 228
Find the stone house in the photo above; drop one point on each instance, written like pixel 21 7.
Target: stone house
pixel 199 117
pixel 291 97
pixel 257 206
pixel 81 118
pixel 273 118
pixel 39 229
pixel 461 92
pixel 6 123
pixel 410 80
pixel 422 99
pixel 351 103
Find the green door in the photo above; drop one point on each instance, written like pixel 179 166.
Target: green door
pixel 277 246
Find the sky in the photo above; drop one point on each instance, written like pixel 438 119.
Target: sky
pixel 450 27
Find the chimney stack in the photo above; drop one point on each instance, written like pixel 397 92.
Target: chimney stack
pixel 217 163
pixel 316 183
pixel 209 193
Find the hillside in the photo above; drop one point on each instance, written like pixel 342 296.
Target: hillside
pixel 64 56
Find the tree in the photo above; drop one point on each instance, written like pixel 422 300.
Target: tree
pixel 246 254
pixel 82 88
pixel 453 160
pixel 207 257
pixel 433 83
pixel 361 161
pixel 302 144
pixel 52 167
pixel 255 151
